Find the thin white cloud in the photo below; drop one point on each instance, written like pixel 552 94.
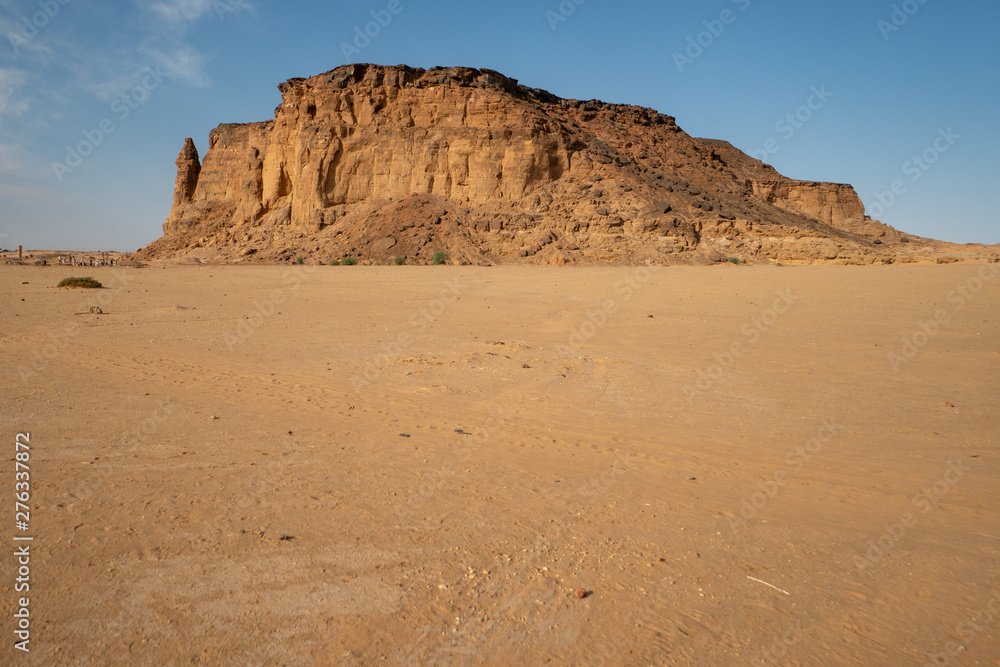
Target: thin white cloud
pixel 72 68
pixel 11 80
pixel 28 194
pixel 169 21
pixel 178 13
pixel 181 63
pixel 20 34
pixel 101 74
pixel 181 11
pixel 10 158
pixel 19 164
pixel 53 78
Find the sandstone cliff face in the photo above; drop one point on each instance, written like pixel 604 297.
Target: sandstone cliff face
pixel 377 161
pixel 832 203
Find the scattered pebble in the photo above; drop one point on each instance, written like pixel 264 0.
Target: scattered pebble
pixel 285 538
pixel 580 593
pixel 214 417
pixel 525 366
pixel 949 405
pixel 404 435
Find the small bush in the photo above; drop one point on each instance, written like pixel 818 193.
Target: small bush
pixel 300 260
pixel 400 260
pixel 438 257
pixel 334 262
pixel 733 260
pixel 349 261
pixel 83 283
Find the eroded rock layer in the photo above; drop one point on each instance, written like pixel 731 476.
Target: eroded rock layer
pixel 376 162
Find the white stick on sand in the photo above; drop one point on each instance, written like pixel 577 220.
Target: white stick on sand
pixel 767 584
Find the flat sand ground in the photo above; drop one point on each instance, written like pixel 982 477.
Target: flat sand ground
pixel 219 473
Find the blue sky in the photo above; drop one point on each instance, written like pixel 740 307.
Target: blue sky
pixel 131 80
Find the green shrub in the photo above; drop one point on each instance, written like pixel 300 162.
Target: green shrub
pixel 334 262
pixel 300 260
pixel 733 260
pixel 438 257
pixel 83 283
pixel 349 261
pixel 400 260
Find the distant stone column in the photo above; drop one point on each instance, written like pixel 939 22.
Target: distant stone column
pixel 188 170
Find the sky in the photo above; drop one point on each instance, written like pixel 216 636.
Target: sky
pixel 899 98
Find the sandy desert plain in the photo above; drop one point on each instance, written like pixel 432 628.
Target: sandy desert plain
pixel 420 465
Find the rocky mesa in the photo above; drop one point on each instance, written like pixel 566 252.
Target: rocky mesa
pixel 376 162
